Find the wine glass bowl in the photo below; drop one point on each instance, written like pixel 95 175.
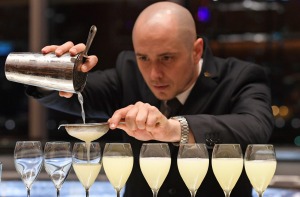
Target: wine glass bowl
pixel 86 159
pixel 28 159
pixel 57 162
pixel 155 156
pixel 227 165
pixel 117 164
pixel 192 162
pixel 260 165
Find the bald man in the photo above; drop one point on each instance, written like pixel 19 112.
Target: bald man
pixel 222 100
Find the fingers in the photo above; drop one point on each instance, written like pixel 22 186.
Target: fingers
pixel 64 48
pixel 78 48
pixel 136 118
pixel 58 50
pixel 89 63
pixel 49 49
pixel 146 122
pixel 118 116
pixel 65 94
pixel 69 47
pixel 140 116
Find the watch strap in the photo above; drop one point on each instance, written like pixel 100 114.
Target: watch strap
pixel 184 129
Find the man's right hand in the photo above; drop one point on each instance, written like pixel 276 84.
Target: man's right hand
pixel 90 62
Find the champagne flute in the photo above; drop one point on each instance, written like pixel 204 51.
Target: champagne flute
pixel 28 159
pixel 227 165
pixel 155 156
pixel 260 166
pixel 192 162
pixel 86 159
pixel 117 164
pixel 57 162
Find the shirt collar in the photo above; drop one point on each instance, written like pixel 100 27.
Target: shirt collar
pixel 184 95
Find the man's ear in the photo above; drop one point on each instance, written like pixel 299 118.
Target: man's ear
pixel 198 49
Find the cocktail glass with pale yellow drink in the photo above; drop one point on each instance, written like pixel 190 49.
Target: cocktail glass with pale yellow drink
pixel 260 165
pixel 192 162
pixel 227 165
pixel 86 163
pixel 117 164
pixel 155 156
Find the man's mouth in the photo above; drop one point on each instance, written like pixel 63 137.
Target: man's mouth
pixel 160 87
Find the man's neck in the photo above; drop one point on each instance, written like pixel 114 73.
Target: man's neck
pixel 184 95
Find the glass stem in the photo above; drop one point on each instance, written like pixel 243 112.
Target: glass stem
pixel 154 191
pixel 28 192
pixel 118 192
pixel 87 192
pixel 57 192
pixel 260 194
pixel 193 193
pixel 227 193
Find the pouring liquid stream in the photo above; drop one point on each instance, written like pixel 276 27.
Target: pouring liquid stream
pixel 80 99
pixel 88 143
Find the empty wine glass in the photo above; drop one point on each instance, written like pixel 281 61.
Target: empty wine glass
pixel 57 162
pixel 227 165
pixel 117 164
pixel 86 159
pixel 192 162
pixel 260 166
pixel 155 156
pixel 28 158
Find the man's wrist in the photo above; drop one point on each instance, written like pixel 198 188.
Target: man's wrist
pixel 184 127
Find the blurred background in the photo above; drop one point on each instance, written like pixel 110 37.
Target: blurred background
pixel 266 32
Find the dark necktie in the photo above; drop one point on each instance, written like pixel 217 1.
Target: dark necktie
pixel 171 107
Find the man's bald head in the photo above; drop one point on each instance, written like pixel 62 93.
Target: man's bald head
pixel 166 16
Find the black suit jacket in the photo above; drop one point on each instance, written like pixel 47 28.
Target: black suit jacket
pixel 230 103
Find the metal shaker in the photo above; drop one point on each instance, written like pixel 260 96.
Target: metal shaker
pixel 49 71
pixel 46 71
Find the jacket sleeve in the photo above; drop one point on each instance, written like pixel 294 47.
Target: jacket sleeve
pixel 100 95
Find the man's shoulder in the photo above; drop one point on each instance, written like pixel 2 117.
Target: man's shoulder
pixel 126 55
pixel 234 65
pixel 126 60
pixel 235 62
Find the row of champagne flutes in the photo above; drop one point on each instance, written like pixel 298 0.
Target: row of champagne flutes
pixel 192 161
pixel 84 157
pixel 259 162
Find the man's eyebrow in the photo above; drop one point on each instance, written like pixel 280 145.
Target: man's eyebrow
pixel 167 53
pixel 139 54
pixel 159 55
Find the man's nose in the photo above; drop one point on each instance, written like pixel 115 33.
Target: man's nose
pixel 156 71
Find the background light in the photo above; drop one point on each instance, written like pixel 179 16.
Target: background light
pixel 203 14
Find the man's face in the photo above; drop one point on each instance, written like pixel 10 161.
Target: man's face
pixel 167 64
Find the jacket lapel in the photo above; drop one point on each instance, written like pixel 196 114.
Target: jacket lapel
pixel 199 96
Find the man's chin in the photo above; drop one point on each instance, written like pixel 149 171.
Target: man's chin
pixel 162 96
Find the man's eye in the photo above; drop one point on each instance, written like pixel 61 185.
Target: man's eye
pixel 143 58
pixel 166 58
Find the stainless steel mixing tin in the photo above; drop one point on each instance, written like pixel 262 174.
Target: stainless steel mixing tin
pixel 46 71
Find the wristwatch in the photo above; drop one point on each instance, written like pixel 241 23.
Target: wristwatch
pixel 184 129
